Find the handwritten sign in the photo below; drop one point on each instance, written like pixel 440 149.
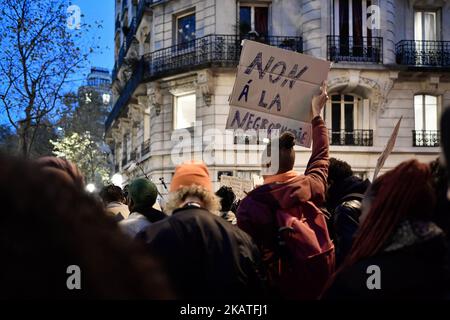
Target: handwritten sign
pixel 388 150
pixel 273 90
pixel 240 186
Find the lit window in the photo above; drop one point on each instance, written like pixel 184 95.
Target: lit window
pixel 186 28
pixel 425 113
pixel 184 111
pixel 106 98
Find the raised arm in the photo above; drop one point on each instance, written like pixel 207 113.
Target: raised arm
pixel 317 168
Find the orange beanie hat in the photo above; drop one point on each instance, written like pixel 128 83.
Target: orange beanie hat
pixel 190 173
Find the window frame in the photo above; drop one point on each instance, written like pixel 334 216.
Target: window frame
pixel 438 26
pixel 175 109
pixel 252 14
pixel 424 113
pixel 177 19
pixel 336 23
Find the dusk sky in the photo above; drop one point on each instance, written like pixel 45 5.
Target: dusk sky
pixel 99 10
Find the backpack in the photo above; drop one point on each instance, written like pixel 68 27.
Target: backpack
pixel 304 258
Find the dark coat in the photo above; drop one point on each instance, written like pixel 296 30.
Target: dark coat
pixel 418 271
pixel 205 256
pixel 345 211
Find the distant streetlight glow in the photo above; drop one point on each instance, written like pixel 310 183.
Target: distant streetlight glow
pixel 90 188
pixel 117 180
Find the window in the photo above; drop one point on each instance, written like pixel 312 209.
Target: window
pixel 426 115
pixel 253 18
pixel 349 23
pixel 426 25
pixel 425 112
pixel 184 111
pixel 186 28
pixel 349 118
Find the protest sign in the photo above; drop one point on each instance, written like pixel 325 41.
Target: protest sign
pixel 240 186
pixel 387 151
pixel 274 89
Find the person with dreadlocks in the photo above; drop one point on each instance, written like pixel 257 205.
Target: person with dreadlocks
pixel 397 239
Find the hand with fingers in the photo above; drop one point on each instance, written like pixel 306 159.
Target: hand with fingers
pixel 318 102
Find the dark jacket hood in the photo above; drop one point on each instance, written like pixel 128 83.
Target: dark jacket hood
pixel 345 187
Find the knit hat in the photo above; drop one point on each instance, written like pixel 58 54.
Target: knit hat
pixel 191 173
pixel 143 192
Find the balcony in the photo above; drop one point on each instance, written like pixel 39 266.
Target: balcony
pixel 126 93
pixel 423 53
pixel 362 138
pixel 355 49
pixel 204 52
pixel 145 148
pixel 208 51
pixel 126 45
pixel 423 138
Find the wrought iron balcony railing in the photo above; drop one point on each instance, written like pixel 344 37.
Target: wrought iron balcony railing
pixel 424 138
pixel 355 49
pixel 126 45
pixel 207 51
pixel 423 53
pixel 210 50
pixel 127 92
pixel 362 138
pixel 145 148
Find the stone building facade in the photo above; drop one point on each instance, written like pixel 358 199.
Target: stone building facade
pixel 176 63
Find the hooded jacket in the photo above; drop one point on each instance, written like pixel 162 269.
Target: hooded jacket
pixel 258 212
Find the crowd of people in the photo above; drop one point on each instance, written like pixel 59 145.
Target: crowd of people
pixel 297 236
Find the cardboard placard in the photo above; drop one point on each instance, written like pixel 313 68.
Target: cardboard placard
pixel 240 186
pixel 277 85
pixel 387 150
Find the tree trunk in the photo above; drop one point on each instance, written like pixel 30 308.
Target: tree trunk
pixel 23 140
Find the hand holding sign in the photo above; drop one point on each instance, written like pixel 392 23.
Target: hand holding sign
pixel 319 102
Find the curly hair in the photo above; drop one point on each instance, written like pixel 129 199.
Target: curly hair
pixel 48 224
pixel 210 201
pixel 338 170
pixel 111 193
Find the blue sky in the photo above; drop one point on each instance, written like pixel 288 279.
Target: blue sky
pixel 93 11
pixel 100 10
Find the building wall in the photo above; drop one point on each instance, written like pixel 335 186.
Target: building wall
pixel 387 89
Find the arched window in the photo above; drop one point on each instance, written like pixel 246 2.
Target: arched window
pixel 348 119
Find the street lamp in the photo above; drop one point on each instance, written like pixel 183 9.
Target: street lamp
pixel 90 188
pixel 117 180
